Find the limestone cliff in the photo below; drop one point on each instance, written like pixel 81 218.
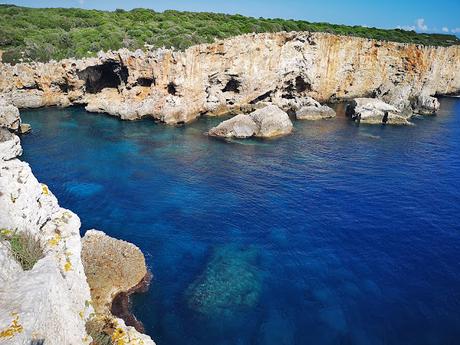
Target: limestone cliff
pixel 50 299
pixel 236 74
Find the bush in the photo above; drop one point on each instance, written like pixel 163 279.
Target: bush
pixel 41 34
pixel 24 247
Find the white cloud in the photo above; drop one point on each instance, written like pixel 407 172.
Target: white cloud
pixel 456 30
pixel 445 29
pixel 421 25
pixel 81 2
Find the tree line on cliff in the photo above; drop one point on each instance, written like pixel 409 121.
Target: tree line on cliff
pixel 38 34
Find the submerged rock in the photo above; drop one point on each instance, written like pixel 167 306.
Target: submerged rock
pixel 267 122
pixel 230 282
pixel 375 111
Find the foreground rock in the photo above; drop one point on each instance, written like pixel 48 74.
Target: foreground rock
pixel 267 122
pixel 375 111
pixel 49 301
pixel 112 266
pixel 232 75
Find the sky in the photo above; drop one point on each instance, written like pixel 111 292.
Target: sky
pixel 420 15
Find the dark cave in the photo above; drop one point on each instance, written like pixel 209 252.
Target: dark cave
pixel 108 75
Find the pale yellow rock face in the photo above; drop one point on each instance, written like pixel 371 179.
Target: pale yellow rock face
pixel 233 75
pixel 111 266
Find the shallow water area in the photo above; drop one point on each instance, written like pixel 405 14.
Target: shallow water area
pixel 336 234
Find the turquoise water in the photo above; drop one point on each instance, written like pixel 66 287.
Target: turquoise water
pixel 336 234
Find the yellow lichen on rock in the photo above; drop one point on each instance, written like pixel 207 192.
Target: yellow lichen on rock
pixel 55 240
pixel 45 190
pixel 13 329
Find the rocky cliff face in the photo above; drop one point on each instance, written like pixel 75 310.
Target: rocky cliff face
pixel 236 74
pixel 49 300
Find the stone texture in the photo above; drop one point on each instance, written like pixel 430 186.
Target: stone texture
pixel 48 301
pixel 112 266
pixel 10 146
pixel 271 122
pixel 240 126
pixel 426 105
pixel 267 122
pixel 52 301
pixel 315 113
pixel 9 117
pixel 237 74
pixel 374 111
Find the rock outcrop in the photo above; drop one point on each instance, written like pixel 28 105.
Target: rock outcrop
pixel 237 74
pixel 267 122
pixel 49 301
pixel 9 117
pixel 374 111
pixel 114 269
pixel 313 110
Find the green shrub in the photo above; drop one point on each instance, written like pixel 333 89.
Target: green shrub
pixel 24 247
pixel 42 34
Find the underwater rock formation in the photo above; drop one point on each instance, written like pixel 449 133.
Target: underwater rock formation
pixel 235 75
pixel 230 283
pixel 267 122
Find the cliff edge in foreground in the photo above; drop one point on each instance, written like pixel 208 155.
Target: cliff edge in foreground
pixel 44 294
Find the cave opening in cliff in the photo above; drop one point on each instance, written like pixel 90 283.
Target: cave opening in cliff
pixel 172 88
pixel 301 85
pixel 108 75
pixel 233 85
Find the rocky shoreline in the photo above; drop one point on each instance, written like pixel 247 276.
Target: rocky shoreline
pixel 239 75
pixel 53 299
pixel 67 297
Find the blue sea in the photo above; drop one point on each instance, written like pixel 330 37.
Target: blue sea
pixel 336 234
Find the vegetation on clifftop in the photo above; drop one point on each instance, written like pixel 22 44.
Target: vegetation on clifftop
pixel 56 33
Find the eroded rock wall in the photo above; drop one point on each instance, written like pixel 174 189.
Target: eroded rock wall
pixel 236 74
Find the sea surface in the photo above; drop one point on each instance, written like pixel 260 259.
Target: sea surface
pixel 336 234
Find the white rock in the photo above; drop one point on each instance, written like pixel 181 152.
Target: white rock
pixel 271 122
pixel 10 146
pixel 9 117
pixel 315 113
pixel 375 111
pixel 240 126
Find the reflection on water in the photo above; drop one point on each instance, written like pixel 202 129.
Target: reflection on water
pixel 336 234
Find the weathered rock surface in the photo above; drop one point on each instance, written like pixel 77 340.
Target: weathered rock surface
pixel 112 266
pixel 51 302
pixel 10 146
pixel 237 74
pixel 240 126
pixel 9 116
pixel 313 113
pixel 426 105
pixel 48 301
pixel 267 122
pixel 375 111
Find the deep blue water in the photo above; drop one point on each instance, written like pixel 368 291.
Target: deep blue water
pixel 336 234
